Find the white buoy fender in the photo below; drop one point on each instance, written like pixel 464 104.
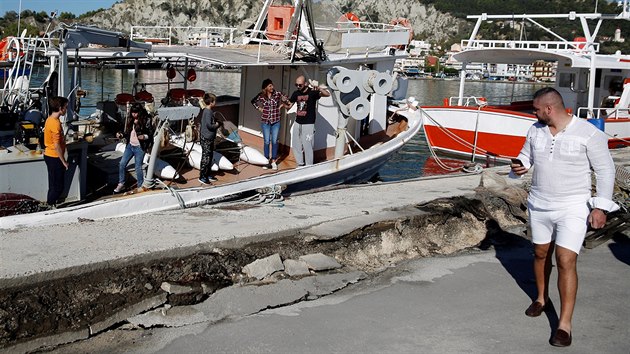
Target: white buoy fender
pixel 253 156
pixel 120 147
pixel 162 168
pixel 218 161
pixel 222 161
pixel 194 146
pixel 194 159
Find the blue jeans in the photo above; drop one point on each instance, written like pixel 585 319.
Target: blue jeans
pixel 138 154
pixel 270 136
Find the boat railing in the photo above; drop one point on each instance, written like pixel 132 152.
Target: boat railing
pixel 363 36
pixel 17 85
pixel 604 112
pixel 576 47
pixel 165 34
pixel 363 27
pixel 479 101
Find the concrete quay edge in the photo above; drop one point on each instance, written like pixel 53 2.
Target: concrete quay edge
pixel 43 253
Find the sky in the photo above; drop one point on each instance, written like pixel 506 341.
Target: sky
pixel 77 7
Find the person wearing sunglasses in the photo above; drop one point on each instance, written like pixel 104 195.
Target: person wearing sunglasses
pixel 303 130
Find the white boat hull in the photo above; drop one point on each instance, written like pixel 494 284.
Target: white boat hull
pixel 349 168
pixel 492 132
pixel 486 131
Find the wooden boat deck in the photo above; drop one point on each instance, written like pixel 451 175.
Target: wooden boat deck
pixel 108 166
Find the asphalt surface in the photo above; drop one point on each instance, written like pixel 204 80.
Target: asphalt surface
pixel 471 303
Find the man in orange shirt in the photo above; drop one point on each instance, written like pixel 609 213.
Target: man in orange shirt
pixel 54 154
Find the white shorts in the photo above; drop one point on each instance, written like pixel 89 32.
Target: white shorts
pixel 566 226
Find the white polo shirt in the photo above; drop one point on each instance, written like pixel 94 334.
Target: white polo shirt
pixel 562 166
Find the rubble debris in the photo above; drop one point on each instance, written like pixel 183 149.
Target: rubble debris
pixel 174 288
pixel 320 262
pixel 261 268
pixel 177 316
pixel 243 300
pixel 123 314
pixel 295 268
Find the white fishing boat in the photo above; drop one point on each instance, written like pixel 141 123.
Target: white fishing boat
pixel 353 139
pixel 477 127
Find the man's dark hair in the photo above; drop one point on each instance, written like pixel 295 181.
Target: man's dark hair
pixel 549 91
pixel 56 103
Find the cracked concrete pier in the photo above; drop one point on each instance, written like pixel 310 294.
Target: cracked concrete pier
pixel 364 228
pixel 42 253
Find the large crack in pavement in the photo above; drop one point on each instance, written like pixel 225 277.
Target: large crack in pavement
pixel 50 313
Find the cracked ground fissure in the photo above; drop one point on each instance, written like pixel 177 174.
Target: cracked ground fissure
pixel 78 302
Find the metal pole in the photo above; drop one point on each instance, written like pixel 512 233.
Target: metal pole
pixel 19 18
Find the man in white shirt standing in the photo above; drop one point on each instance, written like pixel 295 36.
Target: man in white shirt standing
pixel 562 149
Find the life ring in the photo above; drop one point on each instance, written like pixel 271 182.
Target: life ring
pixel 482 101
pixel 403 22
pixel 349 17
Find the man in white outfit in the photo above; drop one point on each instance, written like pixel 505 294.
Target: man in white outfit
pixel 562 149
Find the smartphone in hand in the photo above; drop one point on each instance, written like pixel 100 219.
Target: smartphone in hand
pixel 517 162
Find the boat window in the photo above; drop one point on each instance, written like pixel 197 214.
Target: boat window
pixel 598 77
pixel 565 79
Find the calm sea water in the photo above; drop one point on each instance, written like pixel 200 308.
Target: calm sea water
pixel 413 159
pixel 410 162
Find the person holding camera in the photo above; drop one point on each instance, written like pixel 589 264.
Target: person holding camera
pixel 209 128
pixel 562 149
pixel 303 130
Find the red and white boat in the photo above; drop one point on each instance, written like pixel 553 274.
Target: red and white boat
pixel 473 127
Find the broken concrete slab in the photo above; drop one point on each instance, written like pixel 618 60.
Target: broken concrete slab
pixel 319 262
pixel 246 300
pixel 177 316
pixel 129 311
pixel 249 299
pixel 328 283
pixel 49 342
pixel 261 268
pixel 334 229
pixel 295 268
pixel 172 288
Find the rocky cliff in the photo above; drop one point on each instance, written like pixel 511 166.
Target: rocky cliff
pixel 428 23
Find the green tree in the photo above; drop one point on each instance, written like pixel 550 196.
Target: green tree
pixel 65 16
pixel 91 13
pixel 12 29
pixel 41 16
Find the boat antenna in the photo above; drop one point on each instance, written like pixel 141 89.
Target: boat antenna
pixel 19 19
pixel 53 15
